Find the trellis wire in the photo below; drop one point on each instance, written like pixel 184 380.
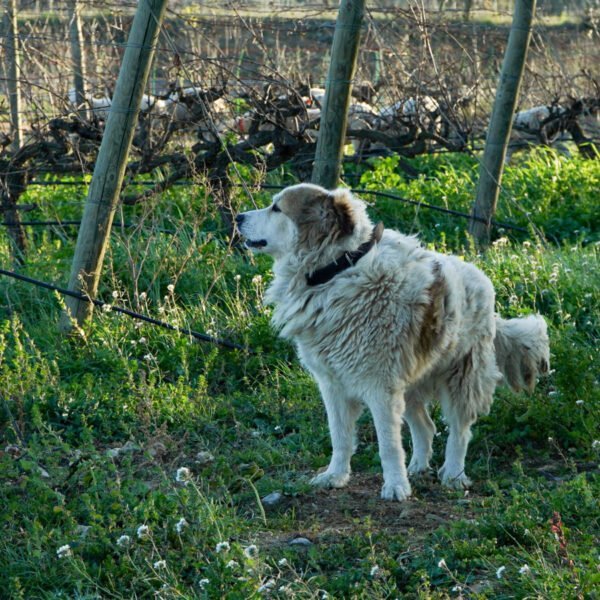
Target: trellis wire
pixel 361 191
pixel 203 337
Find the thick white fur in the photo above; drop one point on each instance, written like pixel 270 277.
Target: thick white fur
pixel 403 327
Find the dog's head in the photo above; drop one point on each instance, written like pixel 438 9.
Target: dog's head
pixel 304 217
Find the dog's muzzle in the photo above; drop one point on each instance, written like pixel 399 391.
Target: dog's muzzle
pixel 239 220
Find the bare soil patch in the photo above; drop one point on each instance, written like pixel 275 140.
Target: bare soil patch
pixel 324 515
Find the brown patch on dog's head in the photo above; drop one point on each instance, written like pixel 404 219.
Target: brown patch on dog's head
pixel 318 213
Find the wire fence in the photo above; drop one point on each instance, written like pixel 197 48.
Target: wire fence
pixel 236 90
pixel 246 80
pixel 362 192
pixel 408 51
pixel 111 307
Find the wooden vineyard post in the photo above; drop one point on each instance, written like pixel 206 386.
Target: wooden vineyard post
pixel 12 183
pixel 77 57
pixel 334 116
pixel 13 60
pixel 103 193
pixel 494 154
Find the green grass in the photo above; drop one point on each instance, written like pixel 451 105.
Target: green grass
pixel 95 428
pixel 542 191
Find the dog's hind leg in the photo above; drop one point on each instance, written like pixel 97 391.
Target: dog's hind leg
pixel 387 411
pixel 422 431
pixel 342 414
pixel 467 394
pixel 452 473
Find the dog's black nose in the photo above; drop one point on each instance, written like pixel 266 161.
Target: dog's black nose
pixel 239 219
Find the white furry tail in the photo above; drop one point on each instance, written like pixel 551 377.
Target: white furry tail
pixel 522 350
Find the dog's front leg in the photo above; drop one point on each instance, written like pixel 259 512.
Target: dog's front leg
pixel 387 410
pixel 342 413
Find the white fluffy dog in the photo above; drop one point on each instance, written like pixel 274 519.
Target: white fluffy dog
pixel 382 322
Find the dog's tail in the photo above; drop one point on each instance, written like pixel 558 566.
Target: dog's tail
pixel 522 350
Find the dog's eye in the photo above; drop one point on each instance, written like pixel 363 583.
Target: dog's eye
pixel 275 208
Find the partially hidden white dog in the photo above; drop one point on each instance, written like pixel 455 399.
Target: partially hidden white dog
pixel 380 321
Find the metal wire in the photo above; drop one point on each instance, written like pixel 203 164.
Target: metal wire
pixel 203 337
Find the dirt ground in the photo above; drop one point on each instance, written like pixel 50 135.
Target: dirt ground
pixel 323 515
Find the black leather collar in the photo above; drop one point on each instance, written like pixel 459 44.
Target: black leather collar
pixel 346 260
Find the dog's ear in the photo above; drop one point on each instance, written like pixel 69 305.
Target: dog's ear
pixel 343 215
pixel 325 216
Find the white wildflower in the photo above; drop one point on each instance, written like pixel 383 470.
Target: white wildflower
pixel 203 583
pixel 171 288
pixel 106 308
pixel 64 551
pixel 282 562
pixel 143 296
pixel 13 450
pixel 499 571
pixel 124 541
pixel 579 402
pixel 183 475
pixel 596 444
pixel 265 587
pixel 222 547
pixel 442 564
pixel 143 531
pixel 374 571
pixel 525 570
pixel 232 564
pixel 257 280
pixel 251 551
pixel 143 340
pixel 237 277
pixel 148 357
pixel 204 457
pixel 160 564
pixel 180 525
pixel 115 294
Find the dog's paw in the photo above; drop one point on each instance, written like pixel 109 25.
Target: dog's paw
pixel 418 467
pixel 396 490
pixel 451 479
pixel 329 479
